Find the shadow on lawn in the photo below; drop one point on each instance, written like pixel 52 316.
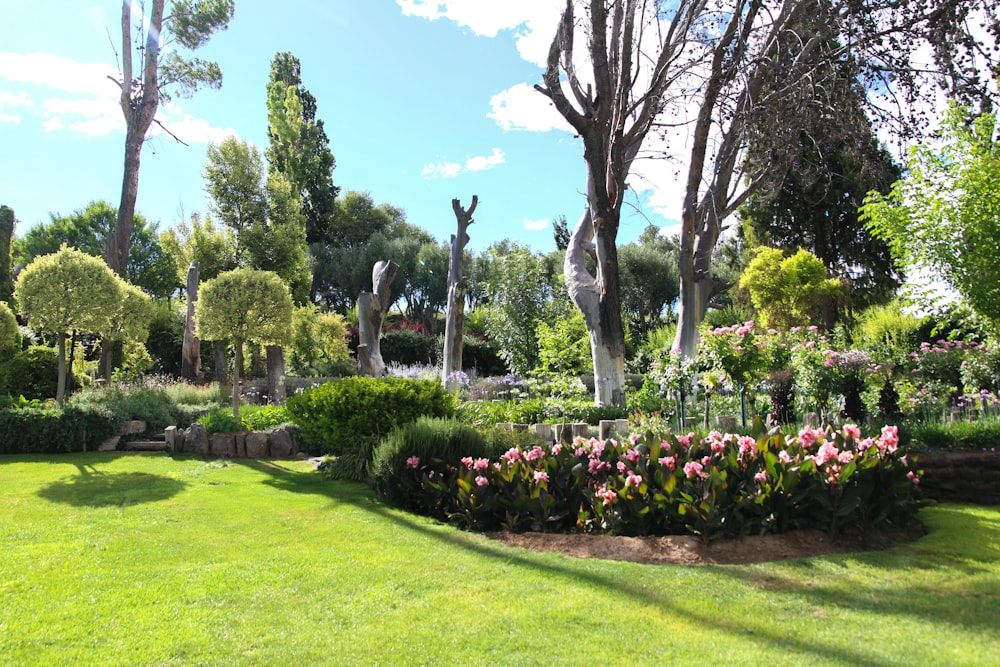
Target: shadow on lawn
pixel 93 488
pixel 930 605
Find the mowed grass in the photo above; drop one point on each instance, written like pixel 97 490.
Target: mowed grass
pixel 153 560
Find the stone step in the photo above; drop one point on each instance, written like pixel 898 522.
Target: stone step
pixel 146 446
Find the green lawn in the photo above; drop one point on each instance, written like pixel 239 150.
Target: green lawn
pixel 151 560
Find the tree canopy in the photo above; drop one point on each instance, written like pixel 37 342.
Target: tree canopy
pixel 944 215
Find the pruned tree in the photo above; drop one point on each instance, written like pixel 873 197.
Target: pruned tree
pixel 244 305
pixel 612 115
pixel 454 325
pixel 372 309
pixel 153 74
pixel 68 291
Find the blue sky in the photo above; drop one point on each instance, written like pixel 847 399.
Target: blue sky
pixel 422 102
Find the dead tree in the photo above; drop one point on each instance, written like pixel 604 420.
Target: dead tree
pixel 454 326
pixel 372 308
pixel 191 351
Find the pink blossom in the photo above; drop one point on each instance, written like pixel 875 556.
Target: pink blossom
pixel 482 481
pixel 580 451
pixel 597 449
pixel 633 438
pixel 632 455
pixel 845 456
pixel 795 329
pixel 808 436
pixel 742 331
pixel 890 436
pixel 633 480
pixel 810 343
pixel 685 440
pixel 541 476
pixel 829 363
pixel 852 431
pixel 865 444
pixel 827 452
pixel 557 449
pixel 512 455
pixel 760 477
pixel 913 477
pixel 747 445
pixel 413 463
pixel 813 327
pixel 622 467
pixel 596 466
pixel 481 464
pixel 665 446
pixel 784 457
pixel 772 332
pixel 606 495
pixel 534 454
pixel 692 469
pixel 467 462
pixel 668 461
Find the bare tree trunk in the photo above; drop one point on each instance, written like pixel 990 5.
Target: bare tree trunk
pixel 139 101
pixel 372 308
pixel 61 381
pixel 597 301
pixel 6 236
pixel 454 326
pixel 275 374
pixel 191 351
pixel 219 355
pixel 237 367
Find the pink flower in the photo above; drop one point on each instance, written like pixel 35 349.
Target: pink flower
pixel 668 461
pixel 890 436
pixel 692 469
pixel 622 467
pixel 632 455
pixel 482 481
pixel 597 449
pixel 685 440
pixel 413 463
pixel 512 455
pixel 481 464
pixel 829 363
pixel 865 444
pixel 606 495
pixel 827 452
pixel 557 449
pixel 717 446
pixel 760 477
pixel 747 445
pixel 633 480
pixel 541 476
pixel 596 467
pixel 534 454
pixel 845 456
pixel 665 446
pixel 467 462
pixel 913 477
pixel 633 438
pixel 808 437
pixel 784 457
pixel 852 431
pixel 580 451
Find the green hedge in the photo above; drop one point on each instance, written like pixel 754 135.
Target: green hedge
pixel 44 430
pixel 347 417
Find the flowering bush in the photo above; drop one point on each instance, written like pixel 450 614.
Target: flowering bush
pixel 668 483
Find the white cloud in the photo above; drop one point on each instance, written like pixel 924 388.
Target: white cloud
pixel 22 99
pixel 521 107
pixel 441 170
pixel 453 169
pixel 483 163
pixel 9 118
pixel 92 107
pixel 536 225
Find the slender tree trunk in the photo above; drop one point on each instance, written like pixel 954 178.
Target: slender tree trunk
pixel 61 381
pixel 191 351
pixel 219 360
pixel 237 367
pixel 454 327
pixel 275 374
pixel 372 308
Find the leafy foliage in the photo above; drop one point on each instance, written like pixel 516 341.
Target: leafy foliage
pixel 788 291
pixel 347 417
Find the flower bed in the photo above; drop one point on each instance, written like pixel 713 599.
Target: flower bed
pixel 651 484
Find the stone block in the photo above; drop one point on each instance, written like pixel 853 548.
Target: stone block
pixel 256 445
pixel 221 444
pixel 196 439
pixel 544 432
pixel 281 444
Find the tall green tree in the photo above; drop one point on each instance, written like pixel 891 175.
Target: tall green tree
pixel 299 149
pixel 149 268
pixel 7 223
pixel 214 248
pixel 65 292
pixel 245 305
pixel 944 215
pixel 153 69
pixel 264 212
pixel 649 280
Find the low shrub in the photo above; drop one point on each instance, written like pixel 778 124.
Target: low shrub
pixel 32 373
pixel 979 435
pixel 440 443
pixel 263 417
pixel 406 346
pixel 481 356
pixel 221 420
pixel 35 428
pixel 347 417
pixel 720 485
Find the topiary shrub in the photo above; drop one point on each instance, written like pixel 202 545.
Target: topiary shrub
pixel 33 373
pixel 40 429
pixel 346 418
pixel 429 441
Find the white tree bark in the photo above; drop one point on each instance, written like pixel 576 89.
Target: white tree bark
pixel 372 308
pixel 191 350
pixel 454 327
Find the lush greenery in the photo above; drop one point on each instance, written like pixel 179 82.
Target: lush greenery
pixel 148 559
pixel 347 417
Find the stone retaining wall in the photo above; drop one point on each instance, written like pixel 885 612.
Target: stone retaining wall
pixel 961 477
pixel 279 443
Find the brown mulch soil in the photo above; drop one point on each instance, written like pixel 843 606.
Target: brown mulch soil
pixel 685 550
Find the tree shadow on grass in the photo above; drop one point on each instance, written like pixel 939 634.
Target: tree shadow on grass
pixel 93 488
pixel 769 638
